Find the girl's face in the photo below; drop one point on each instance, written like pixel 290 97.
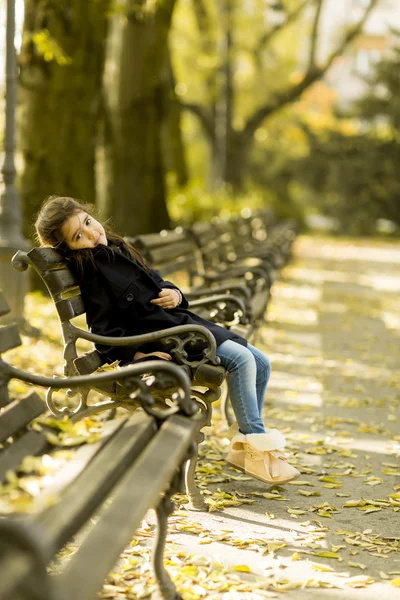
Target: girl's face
pixel 81 230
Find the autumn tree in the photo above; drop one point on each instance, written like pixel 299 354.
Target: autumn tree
pixel 61 67
pixel 381 103
pixel 138 94
pixel 354 175
pixel 230 138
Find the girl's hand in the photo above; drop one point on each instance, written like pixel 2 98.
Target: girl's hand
pixel 167 298
pixel 163 355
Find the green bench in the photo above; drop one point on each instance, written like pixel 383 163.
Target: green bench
pixel 206 375
pixel 107 487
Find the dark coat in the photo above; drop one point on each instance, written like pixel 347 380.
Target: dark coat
pixel 117 294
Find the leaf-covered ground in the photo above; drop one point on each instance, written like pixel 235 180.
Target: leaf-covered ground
pixel 333 338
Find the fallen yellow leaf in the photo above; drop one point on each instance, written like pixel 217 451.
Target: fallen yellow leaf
pixel 296 556
pixel 242 568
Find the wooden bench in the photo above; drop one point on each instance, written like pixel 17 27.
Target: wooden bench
pixel 213 274
pixel 235 298
pixel 261 234
pixel 138 463
pixel 206 375
pixel 174 254
pixel 255 247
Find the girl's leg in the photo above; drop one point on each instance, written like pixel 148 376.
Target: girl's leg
pixel 254 450
pixel 263 373
pixel 243 373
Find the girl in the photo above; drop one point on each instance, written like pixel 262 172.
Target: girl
pixel 124 297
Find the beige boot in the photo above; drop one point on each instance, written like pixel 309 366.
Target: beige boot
pixel 236 451
pixel 264 458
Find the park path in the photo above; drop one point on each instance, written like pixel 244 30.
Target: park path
pixel 332 334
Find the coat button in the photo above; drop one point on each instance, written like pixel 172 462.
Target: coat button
pixel 129 297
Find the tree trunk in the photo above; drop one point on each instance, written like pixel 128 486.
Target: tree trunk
pixel 232 162
pixel 172 142
pixel 236 162
pixel 224 104
pixel 135 170
pixel 61 69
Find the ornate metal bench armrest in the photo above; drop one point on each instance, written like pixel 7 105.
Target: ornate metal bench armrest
pixel 170 335
pixel 20 261
pixel 218 298
pixel 235 287
pixel 130 375
pixel 232 270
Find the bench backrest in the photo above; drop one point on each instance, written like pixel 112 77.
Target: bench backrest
pixel 15 415
pixel 221 240
pixel 65 292
pixel 171 252
pixel 214 241
pixel 254 227
pixel 9 339
pixel 203 245
pixel 60 282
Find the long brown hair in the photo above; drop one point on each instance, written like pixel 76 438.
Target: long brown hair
pixel 55 211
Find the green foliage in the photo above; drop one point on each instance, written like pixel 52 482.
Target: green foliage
pixel 228 62
pixel 259 69
pixel 194 203
pixel 48 48
pixel 198 54
pixel 354 179
pixel 382 102
pixel 353 176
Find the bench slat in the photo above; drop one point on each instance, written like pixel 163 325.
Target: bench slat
pixel 18 414
pixel 4 397
pixel 88 362
pixel 88 490
pixel 4 307
pixel 70 308
pixel 171 251
pixel 82 457
pixel 32 443
pixel 140 489
pixel 203 232
pixel 60 281
pixel 46 259
pixel 155 240
pixel 9 338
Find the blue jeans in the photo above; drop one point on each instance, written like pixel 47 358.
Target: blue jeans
pixel 248 375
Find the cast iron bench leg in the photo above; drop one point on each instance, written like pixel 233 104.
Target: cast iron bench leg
pixel 196 501
pixel 24 558
pixel 166 588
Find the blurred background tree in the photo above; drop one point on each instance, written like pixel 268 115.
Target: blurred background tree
pixel 249 70
pixel 173 110
pixel 61 65
pixel 351 168
pixel 256 61
pixel 139 103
